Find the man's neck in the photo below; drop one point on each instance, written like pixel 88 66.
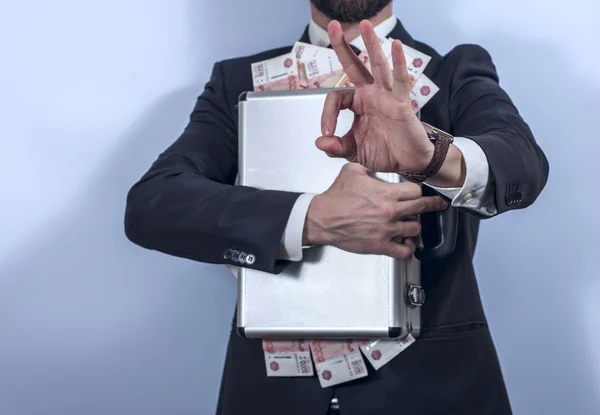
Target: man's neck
pixel 351 30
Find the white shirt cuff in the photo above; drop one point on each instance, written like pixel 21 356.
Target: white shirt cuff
pixel 477 193
pixel 291 241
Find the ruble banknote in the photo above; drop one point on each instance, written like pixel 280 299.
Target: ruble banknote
pixel 337 361
pixel 280 73
pixel 317 67
pixel 423 91
pixel 287 358
pixel 381 352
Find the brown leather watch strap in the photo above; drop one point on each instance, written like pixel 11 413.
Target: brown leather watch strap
pixel 442 142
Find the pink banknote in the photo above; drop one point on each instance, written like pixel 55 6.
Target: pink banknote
pixel 287 358
pixel 423 91
pixel 380 352
pixel 416 62
pixel 337 361
pixel 280 73
pixel 317 67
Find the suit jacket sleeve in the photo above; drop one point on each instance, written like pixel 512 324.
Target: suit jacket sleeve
pixel 186 205
pixel 482 111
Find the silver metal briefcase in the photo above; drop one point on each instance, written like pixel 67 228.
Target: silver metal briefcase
pixel 331 293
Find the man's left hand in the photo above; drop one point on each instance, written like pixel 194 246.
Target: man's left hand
pixel 386 135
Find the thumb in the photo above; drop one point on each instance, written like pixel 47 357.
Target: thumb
pixel 337 147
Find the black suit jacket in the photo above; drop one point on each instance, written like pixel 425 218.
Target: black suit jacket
pixel 187 205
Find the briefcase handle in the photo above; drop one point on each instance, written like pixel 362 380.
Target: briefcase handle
pixel 447 227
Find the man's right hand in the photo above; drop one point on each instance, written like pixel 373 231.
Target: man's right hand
pixel 362 214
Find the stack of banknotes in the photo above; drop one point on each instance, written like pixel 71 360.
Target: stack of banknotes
pixel 306 67
pixel 335 361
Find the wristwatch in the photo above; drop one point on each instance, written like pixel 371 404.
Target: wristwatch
pixel 442 141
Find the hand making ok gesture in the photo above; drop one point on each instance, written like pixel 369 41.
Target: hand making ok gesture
pixel 386 135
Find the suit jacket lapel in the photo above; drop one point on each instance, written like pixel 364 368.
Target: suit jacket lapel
pixel 400 33
pixel 304 38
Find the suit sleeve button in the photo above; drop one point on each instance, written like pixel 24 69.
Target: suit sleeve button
pixel 227 254
pixel 250 259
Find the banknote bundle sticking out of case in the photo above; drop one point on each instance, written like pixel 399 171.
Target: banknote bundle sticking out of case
pixel 331 293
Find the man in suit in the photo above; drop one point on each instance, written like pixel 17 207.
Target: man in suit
pixel 483 161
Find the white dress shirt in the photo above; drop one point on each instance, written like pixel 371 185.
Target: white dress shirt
pixel 475 194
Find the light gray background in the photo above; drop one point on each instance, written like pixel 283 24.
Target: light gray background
pixel 90 93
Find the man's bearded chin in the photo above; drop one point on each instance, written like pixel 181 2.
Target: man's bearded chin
pixel 350 11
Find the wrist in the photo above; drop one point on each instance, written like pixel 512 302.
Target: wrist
pixel 453 172
pixel 314 232
pixel 428 153
pixel 435 156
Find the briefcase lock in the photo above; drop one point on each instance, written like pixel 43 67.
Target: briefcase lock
pixel 415 295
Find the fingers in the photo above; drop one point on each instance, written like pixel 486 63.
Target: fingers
pixel 421 205
pixel 408 191
pixel 396 191
pixel 335 102
pixel 380 68
pixel 353 67
pixel 407 229
pixel 332 145
pixel 409 218
pixel 401 84
pixel 403 245
pixel 400 251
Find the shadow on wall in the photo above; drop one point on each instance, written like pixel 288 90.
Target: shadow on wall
pixel 124 329
pixel 95 325
pixel 531 264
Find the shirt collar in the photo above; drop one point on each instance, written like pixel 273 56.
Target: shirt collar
pixel 319 36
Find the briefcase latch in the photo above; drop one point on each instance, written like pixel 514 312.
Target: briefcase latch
pixel 415 295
